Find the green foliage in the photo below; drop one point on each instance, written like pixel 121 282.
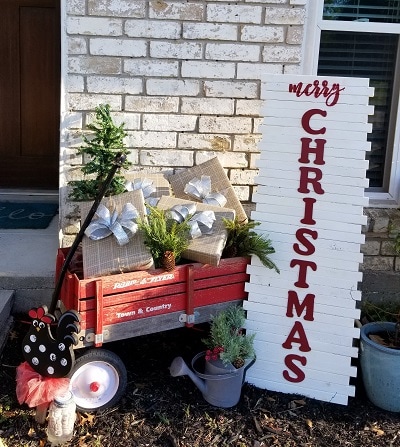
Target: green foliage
pixel 226 331
pixel 101 149
pixel 244 241
pixel 380 311
pixel 162 233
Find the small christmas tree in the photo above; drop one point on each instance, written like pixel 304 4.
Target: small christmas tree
pixel 101 151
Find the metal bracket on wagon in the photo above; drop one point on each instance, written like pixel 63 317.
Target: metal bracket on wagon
pixel 91 337
pixel 189 319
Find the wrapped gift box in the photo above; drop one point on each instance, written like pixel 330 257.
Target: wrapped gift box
pixel 208 247
pixel 106 256
pixel 153 186
pixel 219 183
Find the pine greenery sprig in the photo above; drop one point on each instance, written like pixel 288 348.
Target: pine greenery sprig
pixel 161 234
pixel 244 241
pixel 101 148
pixel 227 339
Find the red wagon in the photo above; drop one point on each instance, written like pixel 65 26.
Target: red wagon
pixel 126 305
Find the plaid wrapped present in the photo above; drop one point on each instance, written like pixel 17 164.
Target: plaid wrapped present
pixel 106 256
pixel 153 186
pixel 207 248
pixel 219 183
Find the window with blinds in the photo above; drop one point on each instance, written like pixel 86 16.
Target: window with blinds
pixel 372 56
pixel 387 11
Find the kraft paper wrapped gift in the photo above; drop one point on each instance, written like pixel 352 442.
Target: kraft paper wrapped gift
pixel 219 183
pixel 152 185
pixel 105 256
pixel 207 248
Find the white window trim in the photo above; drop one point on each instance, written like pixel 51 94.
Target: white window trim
pixel 309 66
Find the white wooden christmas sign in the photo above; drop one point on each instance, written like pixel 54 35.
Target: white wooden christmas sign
pixel 309 200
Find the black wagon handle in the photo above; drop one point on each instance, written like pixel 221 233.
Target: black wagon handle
pixel 117 163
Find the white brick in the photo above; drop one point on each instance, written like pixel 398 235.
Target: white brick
pixel 255 71
pixel 152 139
pixel 252 33
pixel 254 158
pixel 131 120
pixel 204 141
pixel 281 53
pixel 168 123
pixel 211 70
pixel 209 31
pixel 95 65
pixel 257 122
pixel 232 52
pixel 166 158
pixel 176 10
pixel 117 8
pixel 94 26
pixel 133 156
pixel 242 192
pixel 118 47
pixel 152 29
pixel 285 16
pixel 215 124
pixel 243 176
pixel 172 50
pixel 76 45
pixel 208 106
pixel 247 143
pixel 295 35
pixel 225 89
pixel 227 159
pixel 76 7
pixel 73 120
pixel 234 13
pixel 248 107
pixel 75 84
pixel 77 101
pixel 174 87
pixel 145 67
pixel 292 69
pixel 101 84
pixel 151 104
pixel 298 2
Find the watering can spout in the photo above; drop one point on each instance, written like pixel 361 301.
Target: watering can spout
pixel 179 368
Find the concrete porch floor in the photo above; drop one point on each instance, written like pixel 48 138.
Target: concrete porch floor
pixel 27 259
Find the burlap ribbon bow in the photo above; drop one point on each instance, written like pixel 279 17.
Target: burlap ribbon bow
pixel 200 223
pixel 200 189
pixel 109 223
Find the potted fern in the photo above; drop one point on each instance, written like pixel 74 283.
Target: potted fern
pixel 166 238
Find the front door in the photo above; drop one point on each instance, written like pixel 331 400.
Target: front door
pixel 29 93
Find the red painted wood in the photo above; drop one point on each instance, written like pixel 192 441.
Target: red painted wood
pixel 130 296
pixel 98 328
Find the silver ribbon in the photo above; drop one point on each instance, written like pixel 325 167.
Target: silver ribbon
pixel 200 189
pixel 200 223
pixel 147 188
pixel 109 223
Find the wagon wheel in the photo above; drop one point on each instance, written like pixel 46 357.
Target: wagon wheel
pixel 98 380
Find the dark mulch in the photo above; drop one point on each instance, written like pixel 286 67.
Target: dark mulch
pixel 160 410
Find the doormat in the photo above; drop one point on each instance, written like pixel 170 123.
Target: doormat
pixel 26 215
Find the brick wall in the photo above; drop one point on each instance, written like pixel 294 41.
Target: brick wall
pixel 183 76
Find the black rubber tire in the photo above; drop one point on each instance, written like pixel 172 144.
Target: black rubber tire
pixel 103 364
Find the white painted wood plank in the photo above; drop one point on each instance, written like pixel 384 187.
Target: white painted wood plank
pixel 320 223
pixel 337 335
pixel 275 108
pixel 264 191
pixel 291 124
pixel 292 203
pixel 322 303
pixel 297 213
pixel 268 141
pixel 341 298
pixel 344 81
pixel 356 99
pixel 278 386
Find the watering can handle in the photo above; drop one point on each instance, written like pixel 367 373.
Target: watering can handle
pixel 118 162
pixel 247 367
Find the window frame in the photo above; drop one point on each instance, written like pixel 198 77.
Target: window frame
pixel 309 66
